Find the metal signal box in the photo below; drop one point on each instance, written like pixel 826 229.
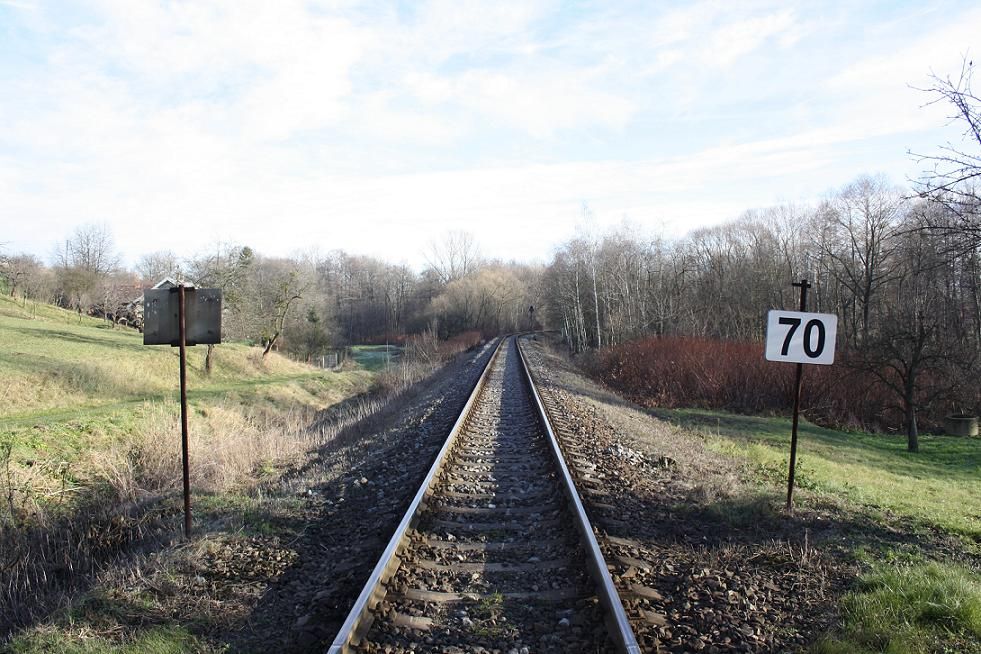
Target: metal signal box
pixel 202 320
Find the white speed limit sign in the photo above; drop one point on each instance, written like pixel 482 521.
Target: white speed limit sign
pixel 799 337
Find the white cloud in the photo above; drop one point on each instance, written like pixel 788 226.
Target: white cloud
pixel 268 69
pixel 429 88
pixel 381 117
pixel 441 29
pixel 514 211
pixel 544 103
pixel 538 102
pixel 732 41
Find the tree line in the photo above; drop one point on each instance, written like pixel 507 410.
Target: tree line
pixel 907 295
pixel 305 304
pixel 899 267
pixel 901 272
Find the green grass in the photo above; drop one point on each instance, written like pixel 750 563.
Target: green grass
pixel 71 386
pixel 936 487
pixel 904 604
pixel 485 613
pixel 155 640
pixel 54 367
pixel 911 608
pixel 55 362
pixel 375 357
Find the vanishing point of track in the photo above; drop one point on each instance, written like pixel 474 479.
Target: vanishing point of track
pixel 495 553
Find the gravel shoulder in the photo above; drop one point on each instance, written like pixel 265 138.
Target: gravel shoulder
pixel 703 555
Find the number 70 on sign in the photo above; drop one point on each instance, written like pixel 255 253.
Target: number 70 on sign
pixel 800 337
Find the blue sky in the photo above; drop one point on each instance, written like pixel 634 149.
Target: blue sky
pixel 376 127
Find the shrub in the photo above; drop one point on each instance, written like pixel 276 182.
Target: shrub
pixel 460 343
pixel 678 371
pixel 423 354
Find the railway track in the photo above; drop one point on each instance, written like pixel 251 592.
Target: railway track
pixel 495 553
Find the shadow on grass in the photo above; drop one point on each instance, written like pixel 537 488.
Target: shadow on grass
pixel 808 560
pixel 217 390
pixel 846 536
pixel 601 395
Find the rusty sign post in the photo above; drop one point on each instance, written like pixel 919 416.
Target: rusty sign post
pixel 185 461
pixel 179 317
pixel 787 341
pixel 799 376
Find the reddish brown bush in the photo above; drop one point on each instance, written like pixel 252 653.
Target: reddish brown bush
pixel 460 343
pixel 676 371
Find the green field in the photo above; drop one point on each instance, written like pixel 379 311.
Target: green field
pixel 375 357
pixel 910 608
pixel 936 487
pixel 57 361
pixel 74 387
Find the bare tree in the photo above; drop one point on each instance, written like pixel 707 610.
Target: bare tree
pixel 19 271
pixel 454 257
pixel 157 265
pixel 953 174
pixel 312 338
pixel 82 262
pixel 911 351
pixel 90 249
pixel 5 268
pixel 228 269
pixel 113 291
pixel 492 300
pixel 863 219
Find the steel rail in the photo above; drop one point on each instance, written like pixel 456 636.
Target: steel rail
pixel 356 625
pixel 621 631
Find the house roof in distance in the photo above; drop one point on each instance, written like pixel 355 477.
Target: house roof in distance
pixel 170 282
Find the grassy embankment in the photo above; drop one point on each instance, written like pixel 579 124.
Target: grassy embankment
pixel 89 417
pixel 905 602
pixel 72 390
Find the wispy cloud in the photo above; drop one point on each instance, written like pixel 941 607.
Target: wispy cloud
pixel 732 41
pixel 19 4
